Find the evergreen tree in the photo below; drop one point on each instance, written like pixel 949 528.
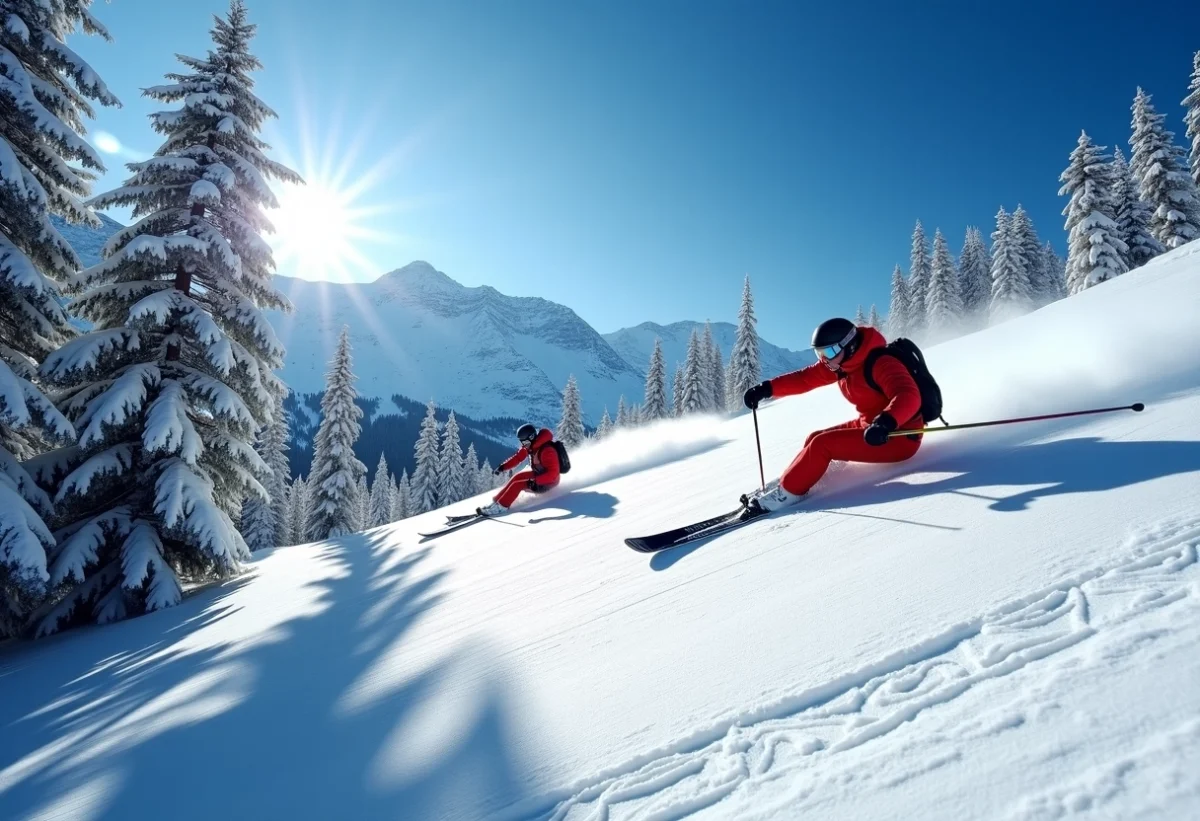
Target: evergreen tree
pixel 1192 118
pixel 424 492
pixel 605 428
pixel 471 472
pixel 1132 216
pixel 676 393
pixel 45 166
pixel 262 523
pixel 635 416
pixel 945 303
pixel 333 483
pixel 171 384
pixel 487 480
pixel 452 482
pixel 745 367
pixel 1056 273
pixel 570 426
pixel 656 386
pixel 1163 179
pixel 1095 249
pixel 918 282
pixel 401 502
pixel 975 274
pixel 1026 236
pixel 622 413
pixel 874 320
pixel 898 309
pixel 362 497
pixel 860 318
pixel 1010 283
pixel 695 388
pixel 300 502
pixel 382 500
pixel 717 371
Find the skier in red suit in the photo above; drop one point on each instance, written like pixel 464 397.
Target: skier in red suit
pixel 842 348
pixel 543 473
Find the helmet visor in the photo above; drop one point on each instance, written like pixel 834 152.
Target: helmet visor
pixel 829 351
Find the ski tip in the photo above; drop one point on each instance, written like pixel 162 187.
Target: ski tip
pixel 1138 406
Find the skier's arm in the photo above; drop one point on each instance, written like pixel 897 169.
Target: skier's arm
pixel 514 460
pixel 898 386
pixel 802 381
pixel 550 467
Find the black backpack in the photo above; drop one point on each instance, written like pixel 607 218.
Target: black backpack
pixel 911 357
pixel 564 461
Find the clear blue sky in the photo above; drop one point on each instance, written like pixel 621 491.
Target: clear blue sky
pixel 634 160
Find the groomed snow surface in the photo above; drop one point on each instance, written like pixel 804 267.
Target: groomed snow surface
pixel 1006 627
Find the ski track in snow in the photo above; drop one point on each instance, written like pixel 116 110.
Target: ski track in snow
pixel 775 740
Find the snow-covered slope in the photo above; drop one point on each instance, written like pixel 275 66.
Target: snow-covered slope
pixel 1006 627
pixel 418 333
pixel 637 343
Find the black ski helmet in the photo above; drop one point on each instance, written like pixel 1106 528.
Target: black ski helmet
pixel 526 433
pixel 834 336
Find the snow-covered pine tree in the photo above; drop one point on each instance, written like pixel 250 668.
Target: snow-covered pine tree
pixel 859 317
pixel 45 167
pixel 336 503
pixel 676 393
pixel 656 387
pixel 570 427
pixel 873 318
pixel 897 322
pixel 381 495
pixel 170 386
pixel 452 482
pixel 1132 216
pixel 262 524
pixel 942 298
pixel 1031 249
pixel 1010 283
pixel 975 276
pixel 622 413
pixel 424 492
pixel 1192 103
pixel 1056 272
pixel 401 505
pixel 717 371
pixel 297 510
pixel 695 388
pixel 487 479
pixel 918 283
pixel 1095 251
pixel 1163 181
pixel 363 497
pixel 745 364
pixel 635 416
pixel 605 428
pixel 471 472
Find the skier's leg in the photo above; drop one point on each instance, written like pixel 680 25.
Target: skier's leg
pixel 844 444
pixel 512 490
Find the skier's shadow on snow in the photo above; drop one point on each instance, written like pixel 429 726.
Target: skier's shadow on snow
pixel 1080 465
pixel 579 504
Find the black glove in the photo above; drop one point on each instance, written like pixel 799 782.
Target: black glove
pixel 757 394
pixel 496 471
pixel 877 433
pixel 532 485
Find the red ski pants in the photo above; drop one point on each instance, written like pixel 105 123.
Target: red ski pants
pixel 841 443
pixel 518 483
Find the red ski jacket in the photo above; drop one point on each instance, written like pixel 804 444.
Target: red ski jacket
pixel 543 459
pixel 900 397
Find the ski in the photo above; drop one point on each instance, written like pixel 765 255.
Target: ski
pixel 454 523
pixel 695 532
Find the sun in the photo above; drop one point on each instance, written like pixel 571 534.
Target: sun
pixel 317 231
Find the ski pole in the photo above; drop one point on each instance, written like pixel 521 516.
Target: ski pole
pixel 1136 406
pixel 761 475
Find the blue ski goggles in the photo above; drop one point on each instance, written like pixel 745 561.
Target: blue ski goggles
pixel 831 355
pixel 829 351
